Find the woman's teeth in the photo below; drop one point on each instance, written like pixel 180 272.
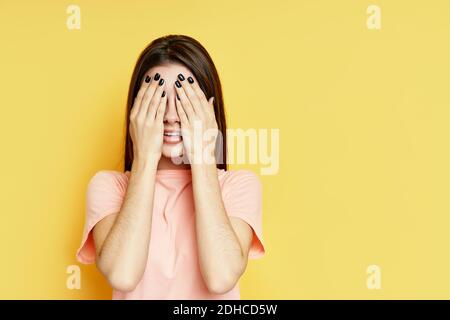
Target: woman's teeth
pixel 170 134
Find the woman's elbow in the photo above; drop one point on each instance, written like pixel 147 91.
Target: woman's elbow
pixel 122 283
pixel 224 280
pixel 222 285
pixel 119 280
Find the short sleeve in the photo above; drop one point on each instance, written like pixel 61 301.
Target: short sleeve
pixel 242 198
pixel 104 196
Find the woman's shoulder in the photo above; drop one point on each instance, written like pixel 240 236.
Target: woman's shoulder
pixel 237 175
pixel 110 177
pixel 107 173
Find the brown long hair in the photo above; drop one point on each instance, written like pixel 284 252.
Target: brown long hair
pixel 189 52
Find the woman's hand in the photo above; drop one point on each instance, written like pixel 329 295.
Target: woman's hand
pixel 198 122
pixel 146 119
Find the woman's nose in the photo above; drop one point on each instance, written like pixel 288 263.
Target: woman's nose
pixel 171 114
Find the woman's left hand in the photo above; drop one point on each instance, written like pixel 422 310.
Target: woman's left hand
pixel 198 121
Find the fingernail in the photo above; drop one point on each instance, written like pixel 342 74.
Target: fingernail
pixel 147 79
pixel 190 80
pixel 178 84
pixel 181 77
pixel 178 97
pixel 161 82
pixel 163 94
pixel 157 75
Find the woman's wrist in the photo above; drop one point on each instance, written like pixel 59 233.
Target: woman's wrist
pixel 203 168
pixel 143 166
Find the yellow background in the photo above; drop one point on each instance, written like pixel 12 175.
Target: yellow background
pixel 363 118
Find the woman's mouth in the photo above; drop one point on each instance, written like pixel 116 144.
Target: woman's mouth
pixel 172 136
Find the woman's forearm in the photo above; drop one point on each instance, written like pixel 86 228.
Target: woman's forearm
pixel 124 252
pixel 220 253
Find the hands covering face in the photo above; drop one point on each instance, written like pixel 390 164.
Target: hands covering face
pixel 198 122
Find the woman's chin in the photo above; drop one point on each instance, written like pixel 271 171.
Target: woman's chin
pixel 172 150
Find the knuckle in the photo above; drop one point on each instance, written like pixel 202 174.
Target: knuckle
pixel 139 95
pixel 139 120
pixel 147 95
pixel 193 97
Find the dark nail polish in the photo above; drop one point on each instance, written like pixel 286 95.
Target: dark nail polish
pixel 178 84
pixel 163 94
pixel 178 97
pixel 181 77
pixel 161 82
pixel 157 75
pixel 147 79
pixel 190 80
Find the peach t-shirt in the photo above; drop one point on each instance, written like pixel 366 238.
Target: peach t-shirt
pixel 172 270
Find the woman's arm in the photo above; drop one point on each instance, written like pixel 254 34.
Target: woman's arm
pixel 223 242
pixel 122 239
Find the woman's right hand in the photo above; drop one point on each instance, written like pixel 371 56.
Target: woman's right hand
pixel 146 120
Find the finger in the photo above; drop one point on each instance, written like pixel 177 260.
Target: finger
pixel 209 109
pixel 207 105
pixel 181 114
pixel 190 93
pixel 198 91
pixel 211 103
pixel 210 112
pixel 156 99
pixel 186 104
pixel 161 108
pixel 148 95
pixel 140 95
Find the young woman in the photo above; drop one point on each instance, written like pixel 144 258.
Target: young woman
pixel 166 228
